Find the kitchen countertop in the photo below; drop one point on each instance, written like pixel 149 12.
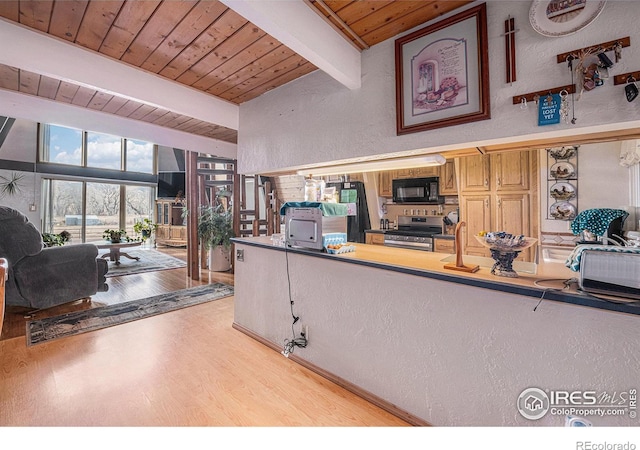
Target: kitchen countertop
pixel 546 284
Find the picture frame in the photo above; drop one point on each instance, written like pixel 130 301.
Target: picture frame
pixel 442 73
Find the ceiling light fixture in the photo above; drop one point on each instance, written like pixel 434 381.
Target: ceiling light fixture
pixel 377 165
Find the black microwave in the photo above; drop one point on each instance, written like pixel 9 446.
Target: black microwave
pixel 417 190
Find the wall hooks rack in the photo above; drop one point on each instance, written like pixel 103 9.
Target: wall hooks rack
pixel 531 96
pixel 625 78
pixel 603 47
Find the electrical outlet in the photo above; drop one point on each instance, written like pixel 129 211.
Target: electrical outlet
pixel 305 330
pixel 240 254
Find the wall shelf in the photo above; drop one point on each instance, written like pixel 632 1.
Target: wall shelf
pixel 603 47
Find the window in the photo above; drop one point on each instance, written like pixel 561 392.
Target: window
pixel 62 206
pixel 104 151
pixel 69 146
pixel 139 201
pixel 62 145
pixel 139 156
pixel 85 209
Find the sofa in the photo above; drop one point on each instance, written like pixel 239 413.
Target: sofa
pixel 40 277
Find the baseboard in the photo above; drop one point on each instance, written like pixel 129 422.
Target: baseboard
pixel 366 395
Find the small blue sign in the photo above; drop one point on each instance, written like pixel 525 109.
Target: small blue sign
pixel 549 110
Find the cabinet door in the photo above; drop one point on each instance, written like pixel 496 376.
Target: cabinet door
pixel 422 172
pixel 403 173
pixel 475 211
pixel 385 180
pixel 374 238
pixel 474 173
pixel 448 180
pixel 513 215
pixel 444 245
pixel 510 171
pixel 176 215
pixel 419 172
pixel 165 214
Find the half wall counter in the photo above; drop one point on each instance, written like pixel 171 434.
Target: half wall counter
pixel 435 346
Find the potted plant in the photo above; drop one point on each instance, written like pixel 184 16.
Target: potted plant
pixel 115 236
pixel 145 228
pixel 215 230
pixel 55 240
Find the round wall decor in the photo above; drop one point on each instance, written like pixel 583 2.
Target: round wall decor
pixel 556 18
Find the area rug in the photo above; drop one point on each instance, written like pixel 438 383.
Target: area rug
pixel 51 328
pixel 150 261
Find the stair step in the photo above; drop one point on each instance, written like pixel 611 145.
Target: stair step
pixel 212 160
pixel 215 172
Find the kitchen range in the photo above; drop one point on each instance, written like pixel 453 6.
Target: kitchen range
pixel 414 232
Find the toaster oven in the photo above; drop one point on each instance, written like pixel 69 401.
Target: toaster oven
pixel 615 273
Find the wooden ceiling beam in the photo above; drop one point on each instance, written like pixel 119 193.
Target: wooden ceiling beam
pixel 49 56
pixel 302 30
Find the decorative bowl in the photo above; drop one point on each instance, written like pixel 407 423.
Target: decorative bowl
pixel 506 242
pixel 504 249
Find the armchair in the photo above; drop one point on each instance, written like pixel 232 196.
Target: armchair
pixel 40 277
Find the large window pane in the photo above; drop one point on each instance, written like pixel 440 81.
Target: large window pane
pixel 104 151
pixel 63 207
pixel 103 209
pixel 139 156
pixel 139 201
pixel 62 145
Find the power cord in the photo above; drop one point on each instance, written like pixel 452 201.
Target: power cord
pixel 566 282
pixel 290 345
pixel 574 281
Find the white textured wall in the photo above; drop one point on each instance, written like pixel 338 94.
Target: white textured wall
pixel 315 119
pixel 602 183
pixel 21 143
pixel 448 353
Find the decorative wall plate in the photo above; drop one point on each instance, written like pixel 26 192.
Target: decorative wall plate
pixel 563 17
pixel 562 191
pixel 562 153
pixel 562 211
pixel 562 170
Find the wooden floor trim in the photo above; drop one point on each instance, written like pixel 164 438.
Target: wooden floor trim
pixel 366 395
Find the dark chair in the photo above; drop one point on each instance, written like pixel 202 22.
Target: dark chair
pixel 42 277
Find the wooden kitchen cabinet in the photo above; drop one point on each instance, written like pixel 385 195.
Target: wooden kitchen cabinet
pixel 508 201
pixel 510 171
pixel 419 172
pixel 513 214
pixel 475 173
pixel 374 238
pixel 443 245
pixel 448 179
pixel 385 183
pixel 475 211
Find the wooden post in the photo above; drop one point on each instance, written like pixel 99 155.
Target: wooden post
pixel 4 267
pixel 268 207
pixel 193 266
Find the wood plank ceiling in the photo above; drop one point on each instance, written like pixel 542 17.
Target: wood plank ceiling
pixel 199 43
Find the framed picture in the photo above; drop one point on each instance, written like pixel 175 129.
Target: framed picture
pixel 442 73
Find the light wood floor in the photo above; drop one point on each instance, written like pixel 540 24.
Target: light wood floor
pixel 184 368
